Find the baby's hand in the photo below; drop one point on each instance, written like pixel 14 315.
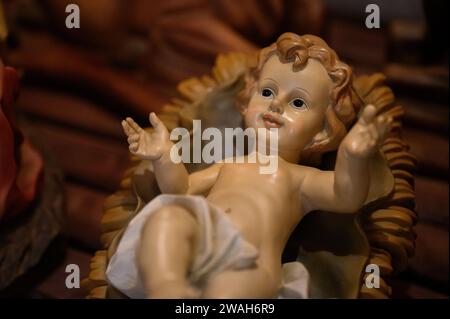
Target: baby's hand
pixel 146 145
pixel 367 134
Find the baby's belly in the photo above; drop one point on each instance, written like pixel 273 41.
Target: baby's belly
pixel 262 218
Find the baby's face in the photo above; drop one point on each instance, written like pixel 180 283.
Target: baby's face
pixel 292 101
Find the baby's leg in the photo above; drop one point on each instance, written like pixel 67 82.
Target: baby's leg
pixel 166 252
pixel 242 284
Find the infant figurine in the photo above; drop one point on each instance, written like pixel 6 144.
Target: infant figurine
pixel 220 232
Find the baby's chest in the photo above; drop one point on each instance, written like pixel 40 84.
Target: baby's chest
pixel 252 173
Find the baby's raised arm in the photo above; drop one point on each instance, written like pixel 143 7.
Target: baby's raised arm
pixel 345 189
pixel 172 177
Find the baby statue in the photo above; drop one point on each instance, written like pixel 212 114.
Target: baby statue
pixel 220 232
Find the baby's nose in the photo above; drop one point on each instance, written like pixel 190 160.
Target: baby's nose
pixel 276 106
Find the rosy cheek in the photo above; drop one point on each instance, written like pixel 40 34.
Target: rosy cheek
pixel 257 105
pixel 252 116
pixel 254 108
pixel 295 125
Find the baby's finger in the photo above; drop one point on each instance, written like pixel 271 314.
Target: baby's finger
pixel 373 133
pixel 368 115
pixel 380 124
pixel 134 125
pixel 384 125
pixel 126 128
pixel 157 124
pixel 372 143
pixel 133 147
pixel 133 138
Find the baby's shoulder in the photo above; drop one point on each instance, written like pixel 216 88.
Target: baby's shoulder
pixel 301 171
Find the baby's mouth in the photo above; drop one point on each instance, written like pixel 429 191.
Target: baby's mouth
pixel 272 121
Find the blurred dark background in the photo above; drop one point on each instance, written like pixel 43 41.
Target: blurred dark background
pixel 128 56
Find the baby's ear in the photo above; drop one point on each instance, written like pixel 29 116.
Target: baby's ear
pixel 322 137
pixel 312 153
pixel 328 139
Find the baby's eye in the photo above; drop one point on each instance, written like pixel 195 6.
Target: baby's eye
pixel 267 93
pixel 298 104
